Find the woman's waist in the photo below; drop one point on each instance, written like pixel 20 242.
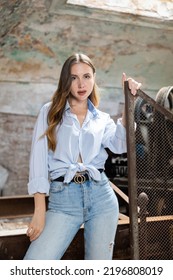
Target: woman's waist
pixel 76 172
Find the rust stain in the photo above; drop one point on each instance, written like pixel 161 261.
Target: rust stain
pixel 27 42
pixel 21 67
pixel 159 46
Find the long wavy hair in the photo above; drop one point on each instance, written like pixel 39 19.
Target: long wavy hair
pixel 61 95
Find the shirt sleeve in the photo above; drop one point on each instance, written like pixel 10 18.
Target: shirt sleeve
pixel 38 168
pixel 114 136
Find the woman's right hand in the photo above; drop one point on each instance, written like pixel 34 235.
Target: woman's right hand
pixel 133 85
pixel 36 226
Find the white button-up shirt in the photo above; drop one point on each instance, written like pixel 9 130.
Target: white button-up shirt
pixel 97 132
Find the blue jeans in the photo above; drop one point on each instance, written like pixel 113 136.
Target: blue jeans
pixel 93 204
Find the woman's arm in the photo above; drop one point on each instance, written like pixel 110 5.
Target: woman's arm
pixel 38 220
pixel 38 166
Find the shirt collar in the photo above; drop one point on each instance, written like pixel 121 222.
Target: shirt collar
pixel 67 106
pixel 91 108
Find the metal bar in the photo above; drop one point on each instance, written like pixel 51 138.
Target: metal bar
pixel 157 106
pixel 143 201
pixel 132 185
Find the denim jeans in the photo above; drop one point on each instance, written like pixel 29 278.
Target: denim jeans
pixel 93 204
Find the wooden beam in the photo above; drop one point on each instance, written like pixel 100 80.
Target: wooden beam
pixel 16 206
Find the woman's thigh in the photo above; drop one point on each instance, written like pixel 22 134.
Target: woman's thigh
pixel 57 235
pixel 101 225
pixel 63 220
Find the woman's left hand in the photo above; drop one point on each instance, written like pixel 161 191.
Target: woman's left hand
pixel 133 85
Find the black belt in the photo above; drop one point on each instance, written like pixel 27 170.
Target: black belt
pixel 79 178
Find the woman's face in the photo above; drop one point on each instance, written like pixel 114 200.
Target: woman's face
pixel 83 80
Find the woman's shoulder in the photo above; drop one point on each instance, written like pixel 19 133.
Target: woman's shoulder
pixel 46 106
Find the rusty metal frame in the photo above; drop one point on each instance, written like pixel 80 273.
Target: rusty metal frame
pixel 131 158
pixel 132 185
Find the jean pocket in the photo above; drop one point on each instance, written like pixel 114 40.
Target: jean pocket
pixel 104 180
pixel 57 196
pixel 56 187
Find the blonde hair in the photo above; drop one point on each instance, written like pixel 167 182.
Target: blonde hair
pixel 61 94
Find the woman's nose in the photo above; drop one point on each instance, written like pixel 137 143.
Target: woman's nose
pixel 80 83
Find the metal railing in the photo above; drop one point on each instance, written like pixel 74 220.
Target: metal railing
pixel 150 173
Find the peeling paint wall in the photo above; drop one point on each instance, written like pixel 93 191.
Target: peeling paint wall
pixel 35 41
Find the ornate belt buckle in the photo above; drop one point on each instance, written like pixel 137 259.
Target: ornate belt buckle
pixel 79 178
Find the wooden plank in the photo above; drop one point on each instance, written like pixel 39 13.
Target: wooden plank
pixel 13 232
pixel 123 217
pixel 124 222
pixel 120 193
pixel 159 218
pixel 148 219
pixel 17 206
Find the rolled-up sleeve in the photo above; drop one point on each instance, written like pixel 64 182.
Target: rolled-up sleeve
pixel 115 136
pixel 38 169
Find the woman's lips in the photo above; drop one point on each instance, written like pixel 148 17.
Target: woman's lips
pixel 82 92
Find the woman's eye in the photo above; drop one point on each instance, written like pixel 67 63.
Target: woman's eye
pixel 87 76
pixel 73 78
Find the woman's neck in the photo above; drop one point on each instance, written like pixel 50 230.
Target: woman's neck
pixel 79 109
pixel 78 105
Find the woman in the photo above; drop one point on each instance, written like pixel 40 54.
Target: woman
pixel 67 162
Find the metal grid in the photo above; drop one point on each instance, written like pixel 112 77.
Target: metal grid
pixel 150 176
